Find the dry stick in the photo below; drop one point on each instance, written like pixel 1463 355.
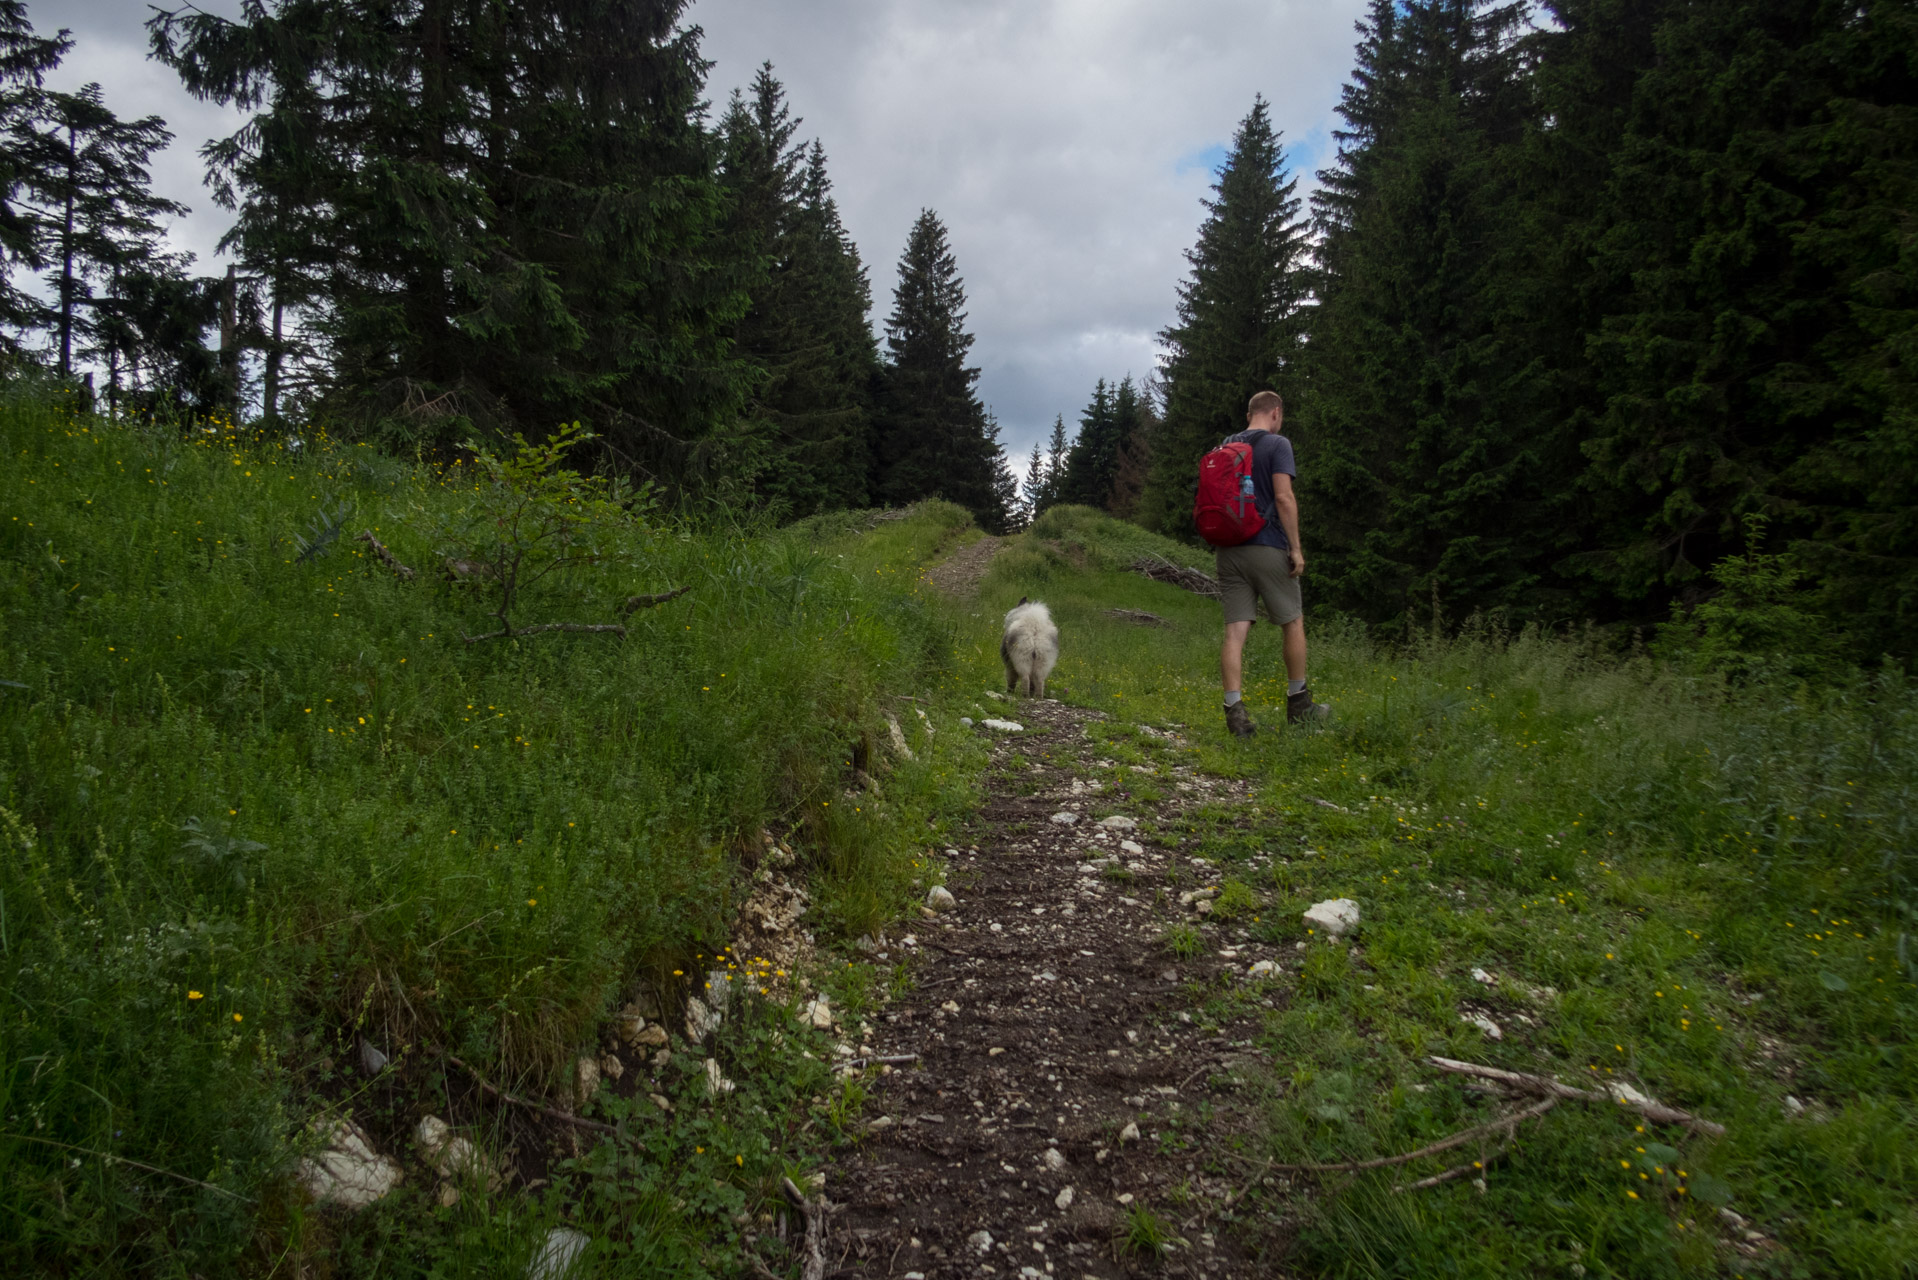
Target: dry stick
pixel 888 1059
pixel 1477 1166
pixel 549 1112
pixel 1552 1088
pixel 815 1211
pixel 1443 1144
pixel 635 603
pixel 387 558
pixel 538 627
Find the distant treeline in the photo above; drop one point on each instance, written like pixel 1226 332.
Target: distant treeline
pixel 1589 282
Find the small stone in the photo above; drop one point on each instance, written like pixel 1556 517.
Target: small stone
pixel 1335 916
pixel 950 1006
pixel 558 1255
pixel 939 898
pixel 1119 822
pixel 1484 1024
pixel 994 927
pixel 661 1058
pixel 1191 896
pixel 981 1241
pixel 1065 817
pixel 1793 1107
pixel 1262 969
pixel 817 1014
pixel 1004 726
pixel 1125 1197
pixel 966 721
pixel 585 1080
pixel 1064 1199
pixel 1479 975
pixel 1132 847
pixel 1129 1134
pixel 883 1122
pixel 897 737
pixel 659 1100
pixel 348 1172
pixel 719 992
pixel 611 1067
pixel 716 1083
pixel 994 1052
pixel 1203 907
pixel 653 1037
pixel 1055 1160
pixel 449 1195
pixel 372 1058
pixel 701 1021
pixel 628 1025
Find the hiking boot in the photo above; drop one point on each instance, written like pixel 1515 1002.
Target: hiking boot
pixel 1300 709
pixel 1239 721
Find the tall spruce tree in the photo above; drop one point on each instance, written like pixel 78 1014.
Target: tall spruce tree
pixel 24 59
pixel 1240 316
pixel 1109 423
pixel 89 198
pixel 936 439
pixel 808 421
pixel 1761 304
pixel 521 217
pixel 1430 469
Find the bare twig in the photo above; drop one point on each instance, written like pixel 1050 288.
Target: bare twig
pixel 536 628
pixel 887 1059
pixel 1549 1087
pixel 386 557
pixel 635 603
pixel 815 1211
pixel 1139 616
pixel 1443 1144
pixel 1462 1171
pixel 546 1111
pixel 111 1158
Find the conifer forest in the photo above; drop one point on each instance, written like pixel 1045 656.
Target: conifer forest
pixel 510 764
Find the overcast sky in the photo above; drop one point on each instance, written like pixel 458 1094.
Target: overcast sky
pixel 1066 144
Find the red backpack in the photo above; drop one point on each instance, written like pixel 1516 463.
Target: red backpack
pixel 1226 510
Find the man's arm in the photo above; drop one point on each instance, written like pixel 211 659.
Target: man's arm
pixel 1287 504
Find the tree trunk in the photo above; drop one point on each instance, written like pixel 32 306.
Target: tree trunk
pixel 229 342
pixel 270 388
pixel 66 259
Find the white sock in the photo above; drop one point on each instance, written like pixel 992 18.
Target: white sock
pixel 1231 697
pixel 1294 687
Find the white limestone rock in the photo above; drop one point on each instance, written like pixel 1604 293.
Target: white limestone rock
pixel 1004 726
pixel 347 1172
pixel 1335 916
pixel 559 1255
pixel 939 898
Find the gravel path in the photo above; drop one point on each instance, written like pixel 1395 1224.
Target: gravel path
pixel 1049 1017
pixel 959 573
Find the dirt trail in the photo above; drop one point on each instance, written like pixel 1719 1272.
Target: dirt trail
pixel 959 573
pixel 1049 1016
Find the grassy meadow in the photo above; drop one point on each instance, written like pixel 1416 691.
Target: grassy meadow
pixel 1704 891
pixel 260 802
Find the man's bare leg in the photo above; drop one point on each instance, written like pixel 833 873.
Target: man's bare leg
pixel 1232 655
pixel 1294 639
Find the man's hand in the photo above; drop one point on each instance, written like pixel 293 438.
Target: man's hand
pixel 1298 561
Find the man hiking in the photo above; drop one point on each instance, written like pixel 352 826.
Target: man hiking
pixel 1266 567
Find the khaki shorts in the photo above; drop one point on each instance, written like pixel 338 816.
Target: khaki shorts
pixel 1253 573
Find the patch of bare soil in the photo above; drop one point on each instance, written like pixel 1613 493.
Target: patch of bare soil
pixel 959 573
pixel 1066 1081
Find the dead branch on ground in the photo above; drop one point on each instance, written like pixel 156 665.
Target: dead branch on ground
pixel 530 1105
pixel 1160 569
pixel 1139 616
pixel 1549 1087
pixel 386 557
pixel 815 1212
pixel 635 603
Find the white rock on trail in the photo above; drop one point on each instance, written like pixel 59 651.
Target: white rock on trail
pixel 981 1241
pixel 1479 975
pixel 817 1013
pixel 451 1155
pixel 1065 818
pixel 1118 822
pixel 585 1080
pixel 1004 726
pixel 716 1083
pixel 1129 1134
pixel 558 1255
pixel 1191 896
pixel 1132 847
pixel 1484 1024
pixel 348 1172
pixel 1064 1199
pixel 939 898
pixel 1335 916
pixel 1055 1159
pixel 611 1067
pixel 1262 969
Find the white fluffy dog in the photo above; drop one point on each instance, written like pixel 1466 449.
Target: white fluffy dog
pixel 1030 649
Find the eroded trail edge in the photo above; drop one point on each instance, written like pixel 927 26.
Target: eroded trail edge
pixel 1065 1112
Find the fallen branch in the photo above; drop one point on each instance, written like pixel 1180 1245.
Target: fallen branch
pixel 635 603
pixel 888 1059
pixel 1139 616
pixel 1443 1144
pixel 1551 1088
pixel 815 1212
pixel 530 1105
pixel 1160 569
pixel 1477 1166
pixel 514 632
pixel 386 557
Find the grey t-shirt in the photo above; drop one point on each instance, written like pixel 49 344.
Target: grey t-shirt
pixel 1270 452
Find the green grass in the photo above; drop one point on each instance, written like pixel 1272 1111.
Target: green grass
pixel 1716 882
pixel 255 806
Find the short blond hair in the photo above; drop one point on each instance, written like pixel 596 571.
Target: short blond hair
pixel 1263 401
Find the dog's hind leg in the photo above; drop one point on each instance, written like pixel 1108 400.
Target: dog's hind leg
pixel 1012 672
